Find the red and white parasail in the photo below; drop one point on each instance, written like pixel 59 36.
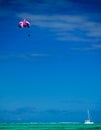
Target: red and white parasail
pixel 24 24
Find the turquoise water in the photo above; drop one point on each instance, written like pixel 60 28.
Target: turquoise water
pixel 48 126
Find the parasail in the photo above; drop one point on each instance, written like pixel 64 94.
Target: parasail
pixel 24 24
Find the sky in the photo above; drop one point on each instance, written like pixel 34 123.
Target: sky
pixel 55 74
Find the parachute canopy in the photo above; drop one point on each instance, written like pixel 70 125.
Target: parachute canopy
pixel 24 24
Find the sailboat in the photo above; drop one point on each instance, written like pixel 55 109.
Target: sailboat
pixel 88 120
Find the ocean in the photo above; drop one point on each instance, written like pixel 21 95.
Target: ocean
pixel 49 126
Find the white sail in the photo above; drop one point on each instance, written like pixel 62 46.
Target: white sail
pixel 88 120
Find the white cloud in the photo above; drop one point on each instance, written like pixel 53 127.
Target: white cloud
pixel 67 27
pixel 96 46
pixel 24 56
pixel 38 55
pixel 92 47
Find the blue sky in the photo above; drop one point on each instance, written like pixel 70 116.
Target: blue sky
pixel 55 74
